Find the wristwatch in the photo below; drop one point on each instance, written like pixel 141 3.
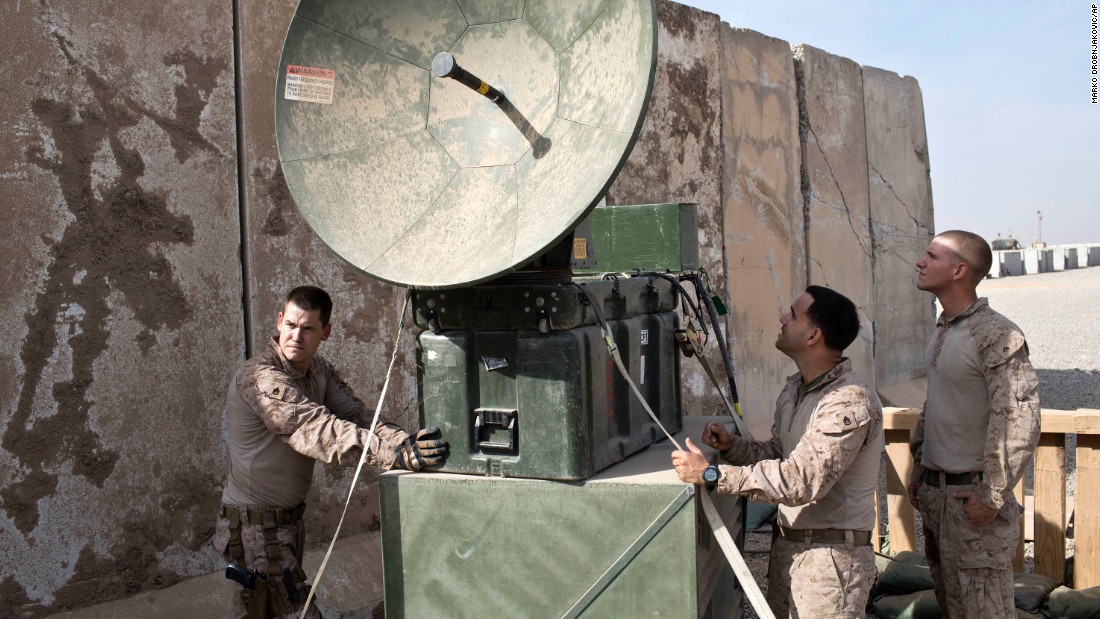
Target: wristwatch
pixel 710 477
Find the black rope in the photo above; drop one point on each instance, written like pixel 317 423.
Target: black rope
pixel 712 312
pixel 684 294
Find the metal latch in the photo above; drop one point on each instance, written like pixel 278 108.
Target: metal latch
pixel 690 338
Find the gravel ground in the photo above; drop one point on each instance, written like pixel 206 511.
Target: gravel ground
pixel 1059 314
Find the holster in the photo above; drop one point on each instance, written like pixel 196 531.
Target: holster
pixel 278 602
pixel 255 600
pixel 282 591
pixel 275 597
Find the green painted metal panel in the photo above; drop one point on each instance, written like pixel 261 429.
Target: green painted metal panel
pixel 562 23
pixel 358 115
pixel 345 207
pixel 649 237
pixel 602 71
pixel 511 51
pixel 461 546
pixel 525 404
pixel 533 549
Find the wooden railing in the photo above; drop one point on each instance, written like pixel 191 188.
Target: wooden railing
pixel 1046 520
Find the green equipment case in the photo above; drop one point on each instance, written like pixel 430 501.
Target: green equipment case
pixel 643 237
pixel 544 308
pixel 548 406
pixel 630 542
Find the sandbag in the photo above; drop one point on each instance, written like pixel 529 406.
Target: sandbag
pixel 759 514
pixel 907 573
pixel 922 605
pixel 919 605
pixel 1029 591
pixel 901 580
pixel 1066 603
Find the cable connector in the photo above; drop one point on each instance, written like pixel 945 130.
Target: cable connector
pixel 690 338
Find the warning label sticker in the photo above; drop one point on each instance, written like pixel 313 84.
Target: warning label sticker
pixel 309 84
pixel 580 249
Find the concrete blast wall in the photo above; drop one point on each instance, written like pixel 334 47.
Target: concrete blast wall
pixel 677 157
pixel 1012 263
pixel 833 132
pixel 901 222
pixel 121 295
pixel 1065 258
pixel 150 238
pixel 765 244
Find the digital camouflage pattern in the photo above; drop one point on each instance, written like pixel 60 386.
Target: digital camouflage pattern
pixel 291 546
pixel 971 566
pixel 281 420
pixel 822 466
pixel 1014 413
pixel 822 463
pixel 810 581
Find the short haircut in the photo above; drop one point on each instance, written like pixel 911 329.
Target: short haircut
pixel 835 315
pixel 311 298
pixel 972 250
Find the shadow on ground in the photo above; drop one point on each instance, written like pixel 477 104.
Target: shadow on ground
pixel 1069 390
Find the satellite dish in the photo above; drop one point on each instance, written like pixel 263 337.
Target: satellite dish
pixel 417 179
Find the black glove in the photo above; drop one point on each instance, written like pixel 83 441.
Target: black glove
pixel 427 449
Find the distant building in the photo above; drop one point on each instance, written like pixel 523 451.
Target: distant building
pixel 1009 243
pixel 1030 261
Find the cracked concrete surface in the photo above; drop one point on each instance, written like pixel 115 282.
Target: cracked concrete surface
pixel 764 219
pixel 900 191
pixel 839 245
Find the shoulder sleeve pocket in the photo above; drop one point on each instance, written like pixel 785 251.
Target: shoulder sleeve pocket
pixel 841 422
pixel 845 409
pixel 277 390
pixel 278 404
pixel 998 341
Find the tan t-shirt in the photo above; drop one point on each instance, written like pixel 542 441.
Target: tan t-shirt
pixel 822 462
pixel 281 421
pixel 957 408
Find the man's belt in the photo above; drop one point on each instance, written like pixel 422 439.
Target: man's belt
pixel 825 536
pixel 267 517
pixel 933 478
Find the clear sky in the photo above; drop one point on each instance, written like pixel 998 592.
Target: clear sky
pixel 1007 100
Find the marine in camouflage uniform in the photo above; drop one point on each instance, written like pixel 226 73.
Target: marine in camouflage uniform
pixel 284 413
pixel 821 466
pixel 974 437
pixel 981 421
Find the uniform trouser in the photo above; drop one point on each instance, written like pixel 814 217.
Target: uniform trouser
pixel 971 566
pixel 291 539
pixel 812 580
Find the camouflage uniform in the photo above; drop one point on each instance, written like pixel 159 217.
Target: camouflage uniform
pixel 280 421
pixel 980 421
pixel 822 467
pixel 811 580
pixel 291 540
